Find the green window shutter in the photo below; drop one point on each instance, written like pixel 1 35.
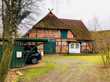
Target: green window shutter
pixel 64 34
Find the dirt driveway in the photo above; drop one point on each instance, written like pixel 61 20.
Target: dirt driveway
pixel 74 70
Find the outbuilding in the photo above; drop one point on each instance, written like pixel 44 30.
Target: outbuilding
pixel 20 55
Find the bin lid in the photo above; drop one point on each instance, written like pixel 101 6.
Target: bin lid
pixel 29 40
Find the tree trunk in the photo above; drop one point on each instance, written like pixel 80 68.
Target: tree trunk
pixel 11 13
pixel 5 62
pixel 7 46
pixel 7 49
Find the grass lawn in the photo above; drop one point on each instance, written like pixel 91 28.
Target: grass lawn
pixel 31 73
pixel 96 59
pixel 91 58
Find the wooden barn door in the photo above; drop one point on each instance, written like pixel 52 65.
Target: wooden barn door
pixel 50 47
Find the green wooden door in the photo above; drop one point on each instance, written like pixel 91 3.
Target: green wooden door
pixel 50 47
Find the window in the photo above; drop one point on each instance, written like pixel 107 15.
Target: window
pixel 64 43
pixel 75 45
pixel 64 34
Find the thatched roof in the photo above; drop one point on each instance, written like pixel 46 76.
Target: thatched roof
pixel 76 26
pixel 50 22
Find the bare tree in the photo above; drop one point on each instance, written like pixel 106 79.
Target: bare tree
pixel 103 46
pixel 102 42
pixel 13 12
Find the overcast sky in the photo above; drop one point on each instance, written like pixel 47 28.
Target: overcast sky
pixel 86 10
pixel 89 11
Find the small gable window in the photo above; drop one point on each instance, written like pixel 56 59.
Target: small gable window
pixel 64 34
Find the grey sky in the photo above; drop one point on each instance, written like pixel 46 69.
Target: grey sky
pixel 85 10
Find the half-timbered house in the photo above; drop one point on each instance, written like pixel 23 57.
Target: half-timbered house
pixel 64 35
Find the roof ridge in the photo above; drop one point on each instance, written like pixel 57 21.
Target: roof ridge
pixel 70 19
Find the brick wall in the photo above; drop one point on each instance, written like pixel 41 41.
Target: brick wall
pixel 70 35
pixel 48 34
pixel 61 45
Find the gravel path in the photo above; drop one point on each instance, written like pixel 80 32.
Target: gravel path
pixel 70 70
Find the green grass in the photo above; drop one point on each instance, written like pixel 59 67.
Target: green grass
pixel 31 73
pixel 87 58
pixel 91 59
